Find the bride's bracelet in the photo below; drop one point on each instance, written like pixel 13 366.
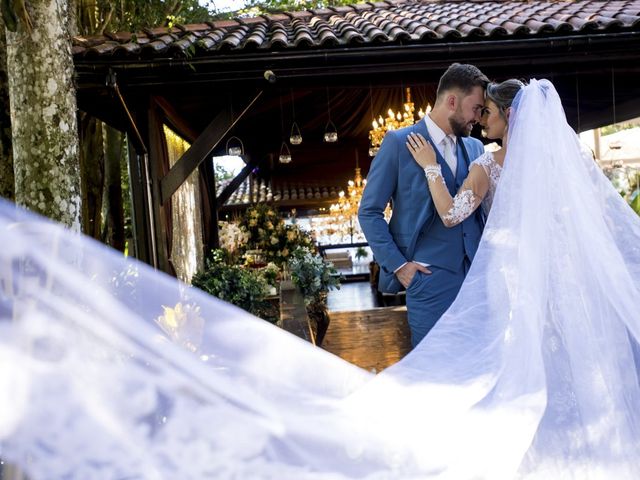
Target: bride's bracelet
pixel 432 172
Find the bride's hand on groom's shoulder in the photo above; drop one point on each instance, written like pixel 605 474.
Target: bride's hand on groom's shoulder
pixel 421 150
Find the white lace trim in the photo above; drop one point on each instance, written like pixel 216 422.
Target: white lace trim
pixel 463 205
pixel 493 171
pixel 490 166
pixel 433 173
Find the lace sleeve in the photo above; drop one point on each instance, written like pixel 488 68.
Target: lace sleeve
pixel 454 210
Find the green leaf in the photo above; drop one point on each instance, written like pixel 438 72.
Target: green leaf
pixel 635 202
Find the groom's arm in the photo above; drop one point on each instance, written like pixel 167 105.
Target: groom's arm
pixel 381 184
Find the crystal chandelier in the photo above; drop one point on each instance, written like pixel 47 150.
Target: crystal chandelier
pixel 393 121
pixel 349 203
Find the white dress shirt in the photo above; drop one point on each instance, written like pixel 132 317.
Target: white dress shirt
pixel 447 149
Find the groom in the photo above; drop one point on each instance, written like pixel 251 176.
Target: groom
pixel 415 250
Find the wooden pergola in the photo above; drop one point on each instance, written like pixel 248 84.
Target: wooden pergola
pixel 252 78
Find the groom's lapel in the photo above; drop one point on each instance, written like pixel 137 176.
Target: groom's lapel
pixel 428 209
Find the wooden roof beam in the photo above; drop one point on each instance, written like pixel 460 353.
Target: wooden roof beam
pixel 201 148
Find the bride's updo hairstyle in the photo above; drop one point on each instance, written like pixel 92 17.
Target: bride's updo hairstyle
pixel 503 93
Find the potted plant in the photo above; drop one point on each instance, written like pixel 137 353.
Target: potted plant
pixel 361 253
pixel 314 276
pixel 247 288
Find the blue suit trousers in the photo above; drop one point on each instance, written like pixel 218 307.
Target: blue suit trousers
pixel 429 296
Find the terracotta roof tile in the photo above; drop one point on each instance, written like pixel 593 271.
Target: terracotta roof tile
pixel 234 38
pixel 256 37
pixel 302 34
pixel 558 25
pixel 104 48
pixel 279 37
pixel 320 12
pixel 251 20
pixel 254 190
pixel 211 39
pixel 535 26
pixel 127 49
pixel 302 14
pixel 627 20
pixel 392 21
pixel 225 23
pixel 197 27
pixel 119 36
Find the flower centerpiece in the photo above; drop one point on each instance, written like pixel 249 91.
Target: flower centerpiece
pixel 266 231
pixel 248 266
pixel 232 240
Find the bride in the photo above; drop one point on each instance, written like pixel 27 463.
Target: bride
pixel 111 370
pixel 481 183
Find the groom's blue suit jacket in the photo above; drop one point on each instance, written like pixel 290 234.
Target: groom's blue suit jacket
pixel 415 231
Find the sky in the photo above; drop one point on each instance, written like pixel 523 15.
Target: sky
pixel 231 163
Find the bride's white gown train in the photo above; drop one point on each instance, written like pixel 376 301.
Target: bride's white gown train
pixel 110 370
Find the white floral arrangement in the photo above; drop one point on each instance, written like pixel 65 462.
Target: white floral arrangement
pixel 232 236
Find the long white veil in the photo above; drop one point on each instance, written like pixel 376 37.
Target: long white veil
pixel 111 370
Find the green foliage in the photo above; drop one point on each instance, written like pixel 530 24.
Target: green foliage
pixel 312 274
pixel 626 180
pixel 361 252
pixel 244 287
pixel 635 202
pixel 134 15
pixel 268 233
pixel 271 273
pixel 222 176
pixel 617 127
pixel 253 8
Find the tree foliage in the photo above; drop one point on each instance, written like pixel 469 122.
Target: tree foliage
pixel 257 7
pixel 98 16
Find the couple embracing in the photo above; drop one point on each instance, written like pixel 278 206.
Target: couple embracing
pixel 436 177
pixel 523 267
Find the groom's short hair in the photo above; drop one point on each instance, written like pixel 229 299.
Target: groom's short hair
pixel 463 77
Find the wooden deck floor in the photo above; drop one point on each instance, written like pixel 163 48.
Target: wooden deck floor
pixel 372 339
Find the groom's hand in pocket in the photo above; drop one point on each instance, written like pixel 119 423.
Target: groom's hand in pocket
pixel 406 273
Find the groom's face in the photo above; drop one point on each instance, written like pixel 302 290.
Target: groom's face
pixel 468 112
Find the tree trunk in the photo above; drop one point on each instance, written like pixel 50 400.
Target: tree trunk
pixel 6 157
pixel 43 114
pixel 91 174
pixel 113 233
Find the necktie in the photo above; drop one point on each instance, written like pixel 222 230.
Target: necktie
pixel 448 149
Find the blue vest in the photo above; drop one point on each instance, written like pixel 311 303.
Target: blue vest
pixel 443 246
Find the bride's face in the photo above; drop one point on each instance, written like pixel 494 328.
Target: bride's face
pixel 493 124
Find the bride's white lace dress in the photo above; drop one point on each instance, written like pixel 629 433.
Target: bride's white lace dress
pixel 493 170
pixel 111 370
